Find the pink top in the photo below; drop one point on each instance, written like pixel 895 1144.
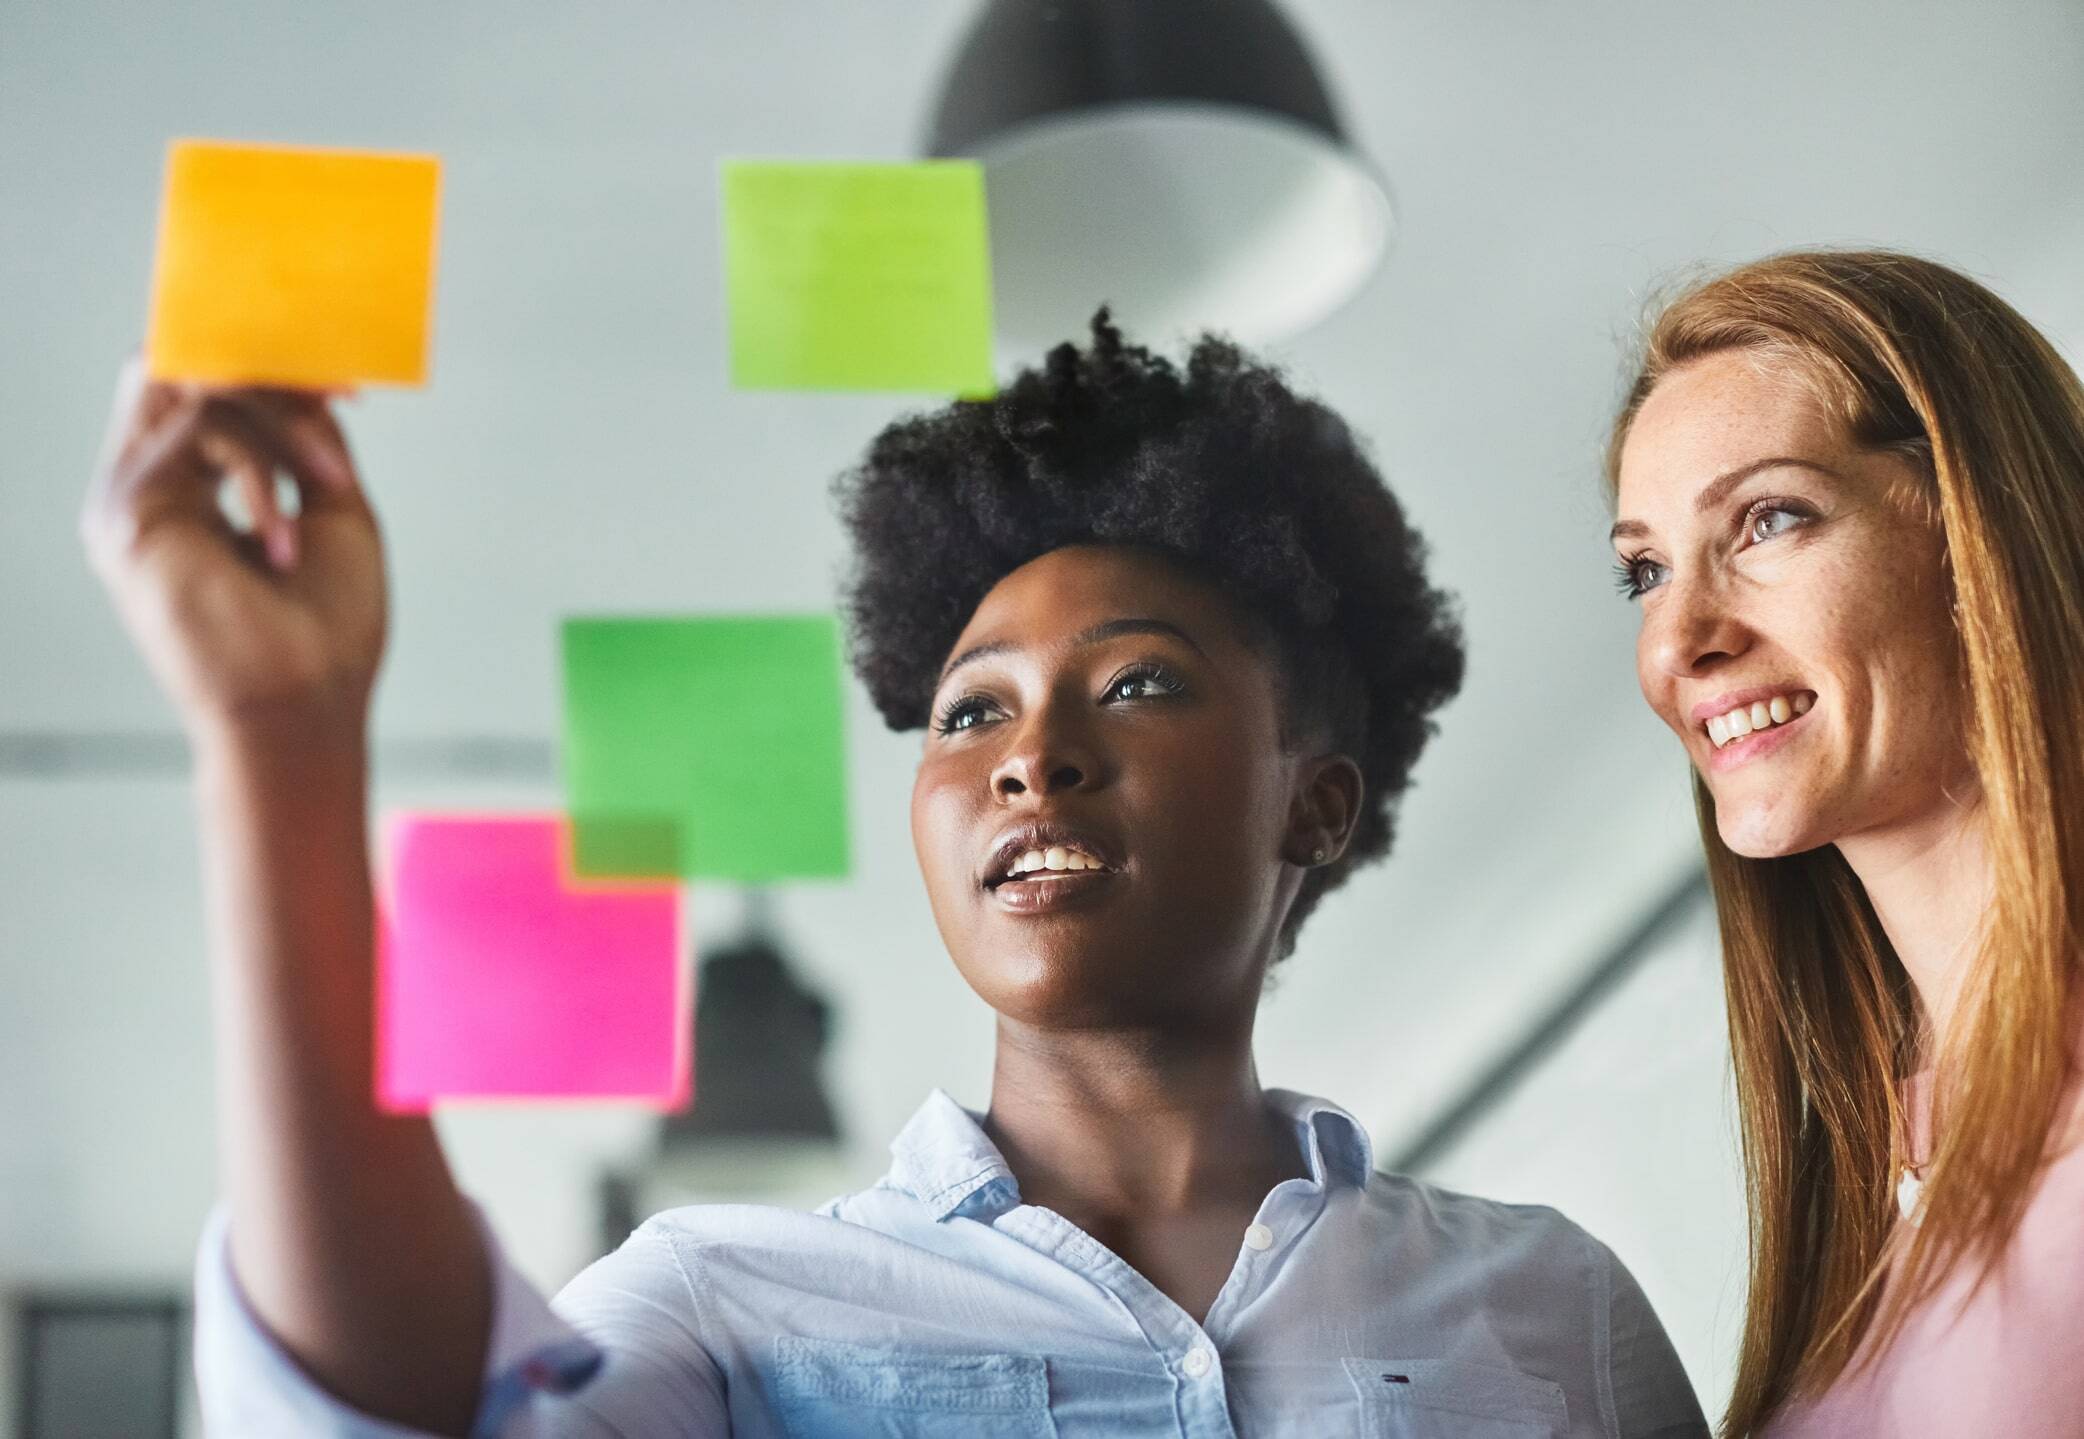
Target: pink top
pixel 2010 1361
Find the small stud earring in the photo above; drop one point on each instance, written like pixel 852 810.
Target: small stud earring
pixel 1317 855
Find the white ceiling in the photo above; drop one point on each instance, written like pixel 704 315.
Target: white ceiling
pixel 579 450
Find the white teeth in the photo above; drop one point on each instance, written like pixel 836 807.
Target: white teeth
pixel 1749 719
pixel 1061 859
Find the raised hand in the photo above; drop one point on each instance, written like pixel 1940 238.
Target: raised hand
pixel 285 624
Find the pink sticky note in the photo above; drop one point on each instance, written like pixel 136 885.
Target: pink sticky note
pixel 500 977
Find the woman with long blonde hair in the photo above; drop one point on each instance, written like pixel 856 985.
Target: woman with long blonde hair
pixel 1849 496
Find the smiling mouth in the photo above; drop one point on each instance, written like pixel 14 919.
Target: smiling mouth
pixel 1047 866
pixel 1741 721
pixel 1054 869
pixel 1038 892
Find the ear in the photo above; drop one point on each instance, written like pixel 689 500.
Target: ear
pixel 1321 819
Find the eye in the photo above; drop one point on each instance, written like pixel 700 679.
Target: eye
pixel 1637 574
pixel 1770 518
pixel 961 713
pixel 1144 681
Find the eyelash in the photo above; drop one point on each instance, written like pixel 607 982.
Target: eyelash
pixel 1628 572
pixel 945 720
pixel 1628 577
pixel 1145 670
pixel 945 717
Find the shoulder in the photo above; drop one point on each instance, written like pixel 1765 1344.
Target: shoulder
pixel 694 1253
pixel 1529 1259
pixel 685 1233
pixel 1498 1234
pixel 1572 1303
pixel 704 1224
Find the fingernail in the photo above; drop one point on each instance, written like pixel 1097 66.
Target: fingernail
pixel 282 547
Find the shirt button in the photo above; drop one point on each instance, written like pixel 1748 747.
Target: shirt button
pixel 1258 1236
pixel 1198 1362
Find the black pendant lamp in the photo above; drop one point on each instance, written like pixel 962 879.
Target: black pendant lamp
pixel 1179 160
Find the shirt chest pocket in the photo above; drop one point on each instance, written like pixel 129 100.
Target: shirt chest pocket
pixel 1446 1399
pixel 829 1390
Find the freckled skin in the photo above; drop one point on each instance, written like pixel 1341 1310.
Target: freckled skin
pixel 1124 1094
pixel 1848 600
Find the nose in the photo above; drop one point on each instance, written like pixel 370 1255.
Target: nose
pixel 1693 632
pixel 1046 757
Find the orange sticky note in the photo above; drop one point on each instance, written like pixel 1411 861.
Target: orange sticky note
pixel 284 266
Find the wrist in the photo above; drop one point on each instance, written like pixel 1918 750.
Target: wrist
pixel 262 739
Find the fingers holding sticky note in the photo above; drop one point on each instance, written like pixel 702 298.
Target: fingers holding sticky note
pixel 297 267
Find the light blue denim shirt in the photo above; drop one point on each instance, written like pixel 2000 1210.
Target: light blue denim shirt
pixel 936 1305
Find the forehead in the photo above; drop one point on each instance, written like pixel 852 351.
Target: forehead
pixel 1715 414
pixel 1067 590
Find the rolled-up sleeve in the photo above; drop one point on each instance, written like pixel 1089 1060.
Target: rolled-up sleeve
pixel 615 1357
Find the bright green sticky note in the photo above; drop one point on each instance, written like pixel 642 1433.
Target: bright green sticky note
pixel 709 747
pixel 847 276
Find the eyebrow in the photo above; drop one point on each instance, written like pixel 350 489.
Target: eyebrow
pixel 1095 634
pixel 1717 490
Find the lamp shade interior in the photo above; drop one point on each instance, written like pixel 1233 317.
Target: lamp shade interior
pixel 1181 161
pixel 1180 216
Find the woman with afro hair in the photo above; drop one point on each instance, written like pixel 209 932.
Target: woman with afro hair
pixel 1175 654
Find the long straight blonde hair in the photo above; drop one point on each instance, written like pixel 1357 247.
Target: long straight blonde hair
pixel 1917 359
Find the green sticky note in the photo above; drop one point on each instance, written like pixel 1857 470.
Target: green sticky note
pixel 849 276
pixel 708 747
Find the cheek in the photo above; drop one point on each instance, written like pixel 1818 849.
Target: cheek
pixel 1230 817
pixel 1918 709
pixel 1653 679
pixel 1875 636
pixel 1887 627
pixel 1194 801
pixel 938 811
pixel 922 800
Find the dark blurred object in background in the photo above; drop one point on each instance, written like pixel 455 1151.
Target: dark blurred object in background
pixel 761 1128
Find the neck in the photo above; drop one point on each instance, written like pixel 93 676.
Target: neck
pixel 1930 883
pixel 1099 1122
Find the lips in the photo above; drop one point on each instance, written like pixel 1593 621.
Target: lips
pixel 1043 853
pixel 1050 893
pixel 1731 748
pixel 1733 716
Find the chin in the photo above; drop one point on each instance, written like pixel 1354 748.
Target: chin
pixel 1766 830
pixel 1086 988
pixel 1037 988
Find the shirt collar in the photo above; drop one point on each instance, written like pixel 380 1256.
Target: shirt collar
pixel 943 1159
pixel 1335 1143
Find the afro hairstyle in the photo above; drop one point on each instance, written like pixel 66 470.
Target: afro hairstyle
pixel 1262 493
